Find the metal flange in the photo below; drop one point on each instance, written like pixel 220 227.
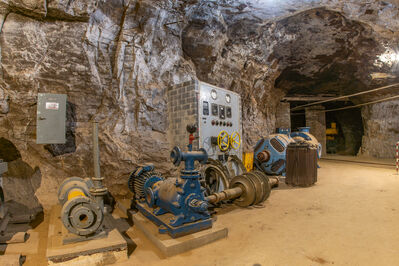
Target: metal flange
pixel 81 216
pixel 176 155
pixel 247 197
pixel 266 184
pixel 259 186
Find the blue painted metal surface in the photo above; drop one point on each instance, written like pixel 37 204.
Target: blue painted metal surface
pixel 285 131
pixel 173 231
pixel 183 197
pixel 270 153
pixel 304 135
pixel 274 147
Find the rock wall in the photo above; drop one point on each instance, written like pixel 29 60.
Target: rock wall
pixel 381 126
pixel 316 120
pixel 115 60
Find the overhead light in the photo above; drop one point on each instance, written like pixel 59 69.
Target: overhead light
pixel 390 57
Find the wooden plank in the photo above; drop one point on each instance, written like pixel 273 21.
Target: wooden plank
pixel 11 260
pixel 31 246
pixel 172 246
pixel 9 238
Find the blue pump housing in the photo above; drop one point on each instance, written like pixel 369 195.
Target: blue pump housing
pixel 182 196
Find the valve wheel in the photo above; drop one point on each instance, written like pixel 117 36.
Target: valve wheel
pixel 223 140
pixel 235 140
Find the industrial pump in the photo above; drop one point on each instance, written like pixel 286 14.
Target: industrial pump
pixel 178 205
pixel 82 200
pixel 81 214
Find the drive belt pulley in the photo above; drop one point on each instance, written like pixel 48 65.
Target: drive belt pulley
pixel 215 176
pixel 235 166
pixel 247 189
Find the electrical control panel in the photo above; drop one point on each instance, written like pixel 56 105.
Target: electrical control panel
pixel 219 111
pixel 51 118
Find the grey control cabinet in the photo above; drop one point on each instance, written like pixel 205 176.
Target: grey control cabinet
pixel 211 108
pixel 51 117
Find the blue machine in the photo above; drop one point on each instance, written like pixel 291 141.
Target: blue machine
pixel 177 205
pixel 303 135
pixel 269 153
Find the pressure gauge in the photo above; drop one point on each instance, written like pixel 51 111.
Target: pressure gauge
pixel 228 98
pixel 214 95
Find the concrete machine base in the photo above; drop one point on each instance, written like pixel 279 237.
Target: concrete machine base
pixel 59 252
pixel 172 246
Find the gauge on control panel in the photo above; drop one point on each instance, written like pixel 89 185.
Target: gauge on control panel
pixel 205 108
pixel 214 94
pixel 222 112
pixel 228 112
pixel 228 98
pixel 214 107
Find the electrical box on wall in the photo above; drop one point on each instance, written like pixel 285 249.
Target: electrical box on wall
pixel 51 118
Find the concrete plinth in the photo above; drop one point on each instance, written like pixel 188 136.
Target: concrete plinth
pixel 172 246
pixel 58 252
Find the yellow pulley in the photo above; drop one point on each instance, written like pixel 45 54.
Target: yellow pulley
pixel 223 140
pixel 235 140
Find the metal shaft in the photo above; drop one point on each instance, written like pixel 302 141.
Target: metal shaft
pixel 235 192
pixel 273 181
pixel 96 155
pixel 227 194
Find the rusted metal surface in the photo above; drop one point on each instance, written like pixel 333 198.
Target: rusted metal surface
pixel 263 156
pixel 225 195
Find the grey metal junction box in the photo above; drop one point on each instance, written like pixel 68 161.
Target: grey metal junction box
pixel 51 117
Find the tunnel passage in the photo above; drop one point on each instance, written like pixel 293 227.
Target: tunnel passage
pixel 21 180
pixel 8 151
pixel 328 55
pixel 347 139
pixel 349 124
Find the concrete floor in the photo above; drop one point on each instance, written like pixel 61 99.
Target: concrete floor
pixel 350 217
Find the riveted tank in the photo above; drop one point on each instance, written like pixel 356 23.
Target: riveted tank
pixel 303 135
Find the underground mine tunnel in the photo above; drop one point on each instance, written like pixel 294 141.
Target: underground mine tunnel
pixel 248 132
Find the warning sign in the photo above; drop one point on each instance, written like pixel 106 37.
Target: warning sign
pixel 52 106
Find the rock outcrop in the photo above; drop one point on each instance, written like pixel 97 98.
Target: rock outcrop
pixel 114 59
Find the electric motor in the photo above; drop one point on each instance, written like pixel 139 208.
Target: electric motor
pixel 269 153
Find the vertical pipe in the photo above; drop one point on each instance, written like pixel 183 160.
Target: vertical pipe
pixel 96 154
pixel 397 158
